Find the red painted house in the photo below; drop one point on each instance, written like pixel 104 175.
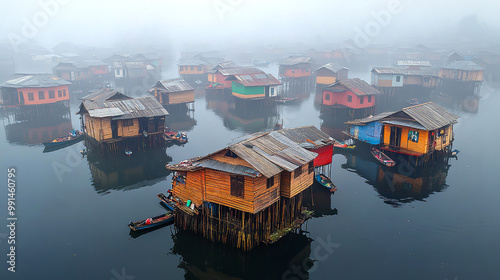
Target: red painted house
pixel 98 68
pixel 34 90
pixel 350 93
pixel 296 67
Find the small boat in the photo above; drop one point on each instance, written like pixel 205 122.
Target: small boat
pixel 165 201
pixel 152 222
pixel 179 137
pixel 348 145
pixel 286 100
pixel 73 137
pixel 382 158
pixel 325 181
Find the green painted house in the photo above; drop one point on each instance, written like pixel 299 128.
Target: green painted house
pixel 254 86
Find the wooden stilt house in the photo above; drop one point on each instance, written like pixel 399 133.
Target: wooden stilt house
pixel 245 194
pixel 114 121
pixel 218 78
pixel 352 94
pixel 173 93
pixel 295 67
pixel 254 86
pixel 36 89
pixel 329 74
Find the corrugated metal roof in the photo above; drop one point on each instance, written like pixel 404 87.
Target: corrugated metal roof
pixel 174 85
pixel 140 107
pixel 356 85
pixel 387 70
pixel 430 115
pixel 301 135
pixel 462 65
pixel 369 119
pixel 226 65
pixel 105 112
pixel 252 80
pixel 268 153
pixel 406 123
pixel 296 60
pixel 36 80
pixel 240 70
pixel 332 67
pixel 191 62
pixel 69 65
pixel 104 95
pixel 226 167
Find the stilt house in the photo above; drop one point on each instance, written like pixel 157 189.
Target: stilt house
pixel 330 73
pixel 173 92
pixel 254 86
pixel 246 192
pixel 352 94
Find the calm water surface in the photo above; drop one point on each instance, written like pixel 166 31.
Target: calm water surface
pixel 428 223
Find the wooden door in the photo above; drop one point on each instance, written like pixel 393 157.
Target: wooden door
pixel 395 138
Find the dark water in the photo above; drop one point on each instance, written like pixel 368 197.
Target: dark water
pixel 438 222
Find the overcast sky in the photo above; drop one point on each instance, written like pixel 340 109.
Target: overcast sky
pixel 105 23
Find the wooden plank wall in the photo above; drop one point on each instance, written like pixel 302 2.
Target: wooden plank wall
pixel 98 128
pixel 218 190
pixel 192 189
pixel 181 97
pixel 447 137
pixel 235 161
pixel 126 131
pixel 421 146
pixel 292 186
pixel 264 196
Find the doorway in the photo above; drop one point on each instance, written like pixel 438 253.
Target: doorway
pixel 395 138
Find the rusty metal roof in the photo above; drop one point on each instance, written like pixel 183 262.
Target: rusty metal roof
pixel 253 80
pixel 173 85
pixel 140 107
pixel 268 154
pixel 303 135
pixel 35 80
pixel 430 115
pixel 356 85
pixel 332 67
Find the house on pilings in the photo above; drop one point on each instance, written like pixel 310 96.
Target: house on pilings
pixel 329 74
pixel 423 131
pixel 176 95
pixel 262 87
pixel 114 122
pixel 218 77
pixel 246 194
pixel 354 96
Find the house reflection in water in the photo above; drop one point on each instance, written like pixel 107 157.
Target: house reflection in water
pixel 402 183
pixel 37 131
pixel 290 257
pixel 121 172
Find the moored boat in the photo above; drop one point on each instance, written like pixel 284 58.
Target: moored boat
pixel 347 145
pixel 73 137
pixel 325 181
pixel 152 222
pixel 382 158
pixel 165 201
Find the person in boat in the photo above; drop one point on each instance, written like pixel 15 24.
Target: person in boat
pixel 169 194
pixel 149 221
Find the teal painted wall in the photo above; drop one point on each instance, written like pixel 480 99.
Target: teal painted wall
pixel 239 88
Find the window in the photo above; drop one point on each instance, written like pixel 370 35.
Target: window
pixel 181 68
pixel 30 96
pixel 64 92
pixel 41 95
pixel 369 98
pixel 52 94
pixel 128 122
pixel 59 93
pixel 192 68
pixel 199 68
pixel 237 186
pixel 327 96
pixel 297 172
pixel 349 98
pixel 361 99
pixel 311 166
pixel 398 79
pixel 270 182
pixel 272 91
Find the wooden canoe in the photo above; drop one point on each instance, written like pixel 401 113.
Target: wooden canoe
pixel 382 158
pixel 152 222
pixel 165 201
pixel 325 181
pixel 63 141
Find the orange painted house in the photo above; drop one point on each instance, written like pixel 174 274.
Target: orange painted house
pixel 295 67
pixel 34 90
pixel 350 93
pixel 73 71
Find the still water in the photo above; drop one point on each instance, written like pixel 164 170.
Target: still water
pixel 437 222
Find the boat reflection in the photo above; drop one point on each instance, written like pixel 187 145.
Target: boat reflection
pixel 121 172
pixel 319 199
pixel 402 183
pixel 221 262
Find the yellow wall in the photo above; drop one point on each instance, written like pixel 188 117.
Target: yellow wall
pixel 420 147
pixel 192 69
pixel 447 137
pixel 98 128
pixel 125 131
pixel 325 80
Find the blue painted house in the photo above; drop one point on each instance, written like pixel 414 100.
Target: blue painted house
pixel 368 129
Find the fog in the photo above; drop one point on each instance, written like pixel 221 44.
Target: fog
pixel 244 24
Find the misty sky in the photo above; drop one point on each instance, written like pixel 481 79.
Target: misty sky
pixel 108 23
